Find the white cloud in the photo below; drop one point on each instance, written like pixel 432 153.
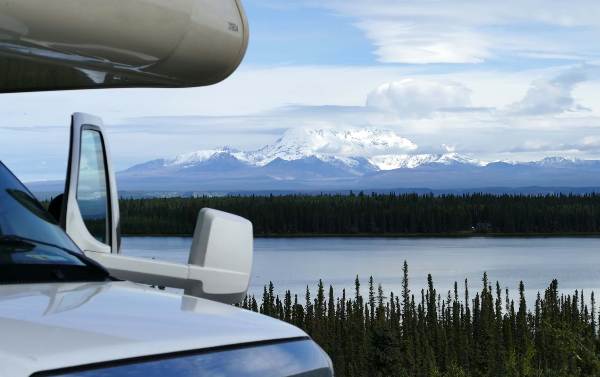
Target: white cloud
pixel 554 95
pixel 449 148
pixel 582 145
pixel 463 31
pixel 346 142
pixel 545 97
pixel 591 143
pixel 417 43
pixel 418 97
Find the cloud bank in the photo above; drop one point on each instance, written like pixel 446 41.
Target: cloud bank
pixel 418 97
pixel 555 95
pixel 463 31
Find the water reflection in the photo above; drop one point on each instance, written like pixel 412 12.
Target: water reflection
pixel 297 262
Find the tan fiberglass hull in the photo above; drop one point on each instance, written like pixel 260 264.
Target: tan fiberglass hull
pixel 111 43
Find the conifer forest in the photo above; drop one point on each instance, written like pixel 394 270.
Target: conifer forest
pixel 374 214
pixel 481 332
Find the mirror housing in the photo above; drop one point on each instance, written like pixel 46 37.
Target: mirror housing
pixel 222 242
pixel 220 261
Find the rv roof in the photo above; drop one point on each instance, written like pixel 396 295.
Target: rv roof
pixel 81 44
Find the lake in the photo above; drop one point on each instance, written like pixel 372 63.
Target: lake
pixel 294 263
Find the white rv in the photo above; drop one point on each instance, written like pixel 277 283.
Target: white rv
pixel 70 303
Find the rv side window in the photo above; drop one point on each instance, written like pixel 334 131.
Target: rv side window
pixel 92 191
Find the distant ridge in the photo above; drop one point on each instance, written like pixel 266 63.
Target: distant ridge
pixel 333 160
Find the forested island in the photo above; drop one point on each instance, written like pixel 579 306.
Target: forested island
pixel 360 214
pixel 445 334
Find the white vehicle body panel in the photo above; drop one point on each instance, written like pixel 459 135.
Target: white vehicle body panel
pixel 127 42
pixel 51 326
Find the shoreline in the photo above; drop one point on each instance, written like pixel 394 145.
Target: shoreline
pixel 396 235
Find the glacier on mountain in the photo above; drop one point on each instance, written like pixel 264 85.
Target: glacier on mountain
pixel 382 149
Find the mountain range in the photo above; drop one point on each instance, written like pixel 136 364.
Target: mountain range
pixel 355 159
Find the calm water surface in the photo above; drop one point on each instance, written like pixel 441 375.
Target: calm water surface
pixel 294 263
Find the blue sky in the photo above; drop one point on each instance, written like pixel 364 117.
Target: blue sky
pixel 292 34
pixel 512 80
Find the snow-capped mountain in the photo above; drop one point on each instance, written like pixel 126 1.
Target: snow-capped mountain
pixel 193 158
pixel 565 162
pixel 408 161
pixel 332 159
pixel 362 149
pixel 331 143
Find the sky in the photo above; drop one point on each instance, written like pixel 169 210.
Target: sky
pixel 510 80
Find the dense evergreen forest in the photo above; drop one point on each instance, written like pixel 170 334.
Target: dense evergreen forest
pixel 374 214
pixel 453 334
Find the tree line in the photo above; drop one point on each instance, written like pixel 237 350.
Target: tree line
pixel 373 214
pixel 453 334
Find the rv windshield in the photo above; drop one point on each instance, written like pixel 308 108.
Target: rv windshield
pixel 33 248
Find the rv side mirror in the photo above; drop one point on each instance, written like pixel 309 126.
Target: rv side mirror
pixel 221 256
pixel 219 267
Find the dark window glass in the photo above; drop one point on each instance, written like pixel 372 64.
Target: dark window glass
pixel 92 192
pixel 33 248
pixel 23 216
pixel 296 358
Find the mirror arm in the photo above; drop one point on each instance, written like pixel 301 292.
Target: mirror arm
pixel 210 283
